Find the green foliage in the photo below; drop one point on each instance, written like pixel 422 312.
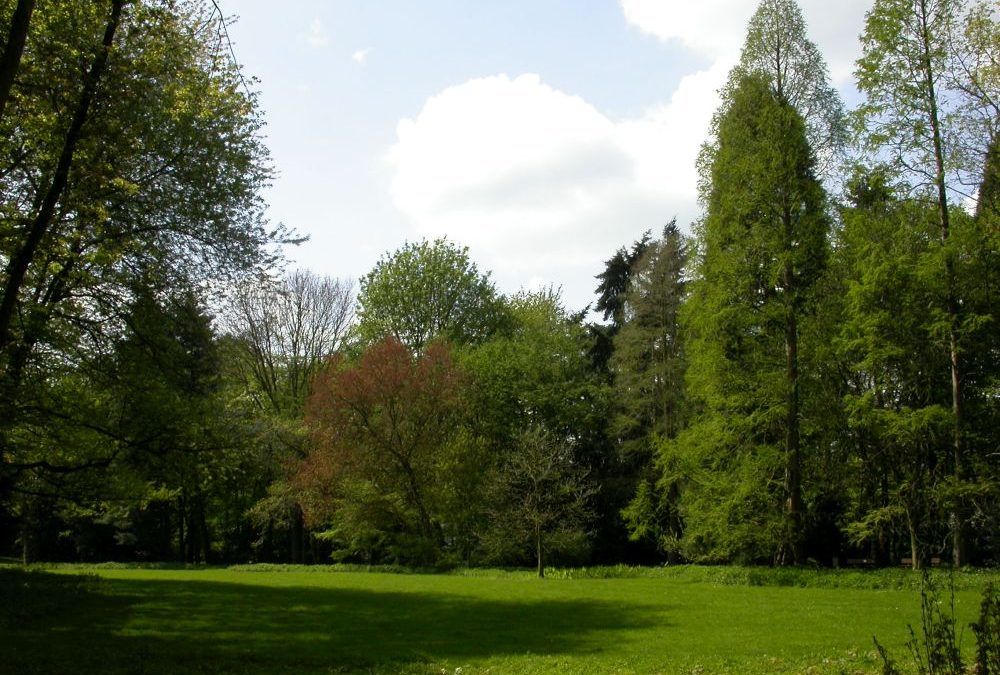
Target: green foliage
pixel 987 632
pixel 128 168
pixel 536 372
pixel 777 48
pixel 761 248
pixel 937 651
pixel 425 291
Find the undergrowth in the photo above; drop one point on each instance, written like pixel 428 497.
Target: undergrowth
pixel 937 649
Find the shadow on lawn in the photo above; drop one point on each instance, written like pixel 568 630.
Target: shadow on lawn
pixel 142 626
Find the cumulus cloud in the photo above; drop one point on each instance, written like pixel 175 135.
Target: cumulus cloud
pixel 540 184
pixel 360 56
pixel 716 29
pixel 316 35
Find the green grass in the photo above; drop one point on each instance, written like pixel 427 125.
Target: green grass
pixel 117 619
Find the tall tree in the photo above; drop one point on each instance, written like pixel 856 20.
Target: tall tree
pixel 648 368
pixel 129 150
pixel 761 247
pixel 282 334
pixel 648 360
pixel 897 404
pixel 911 116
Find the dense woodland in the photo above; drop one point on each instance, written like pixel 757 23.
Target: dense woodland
pixel 811 375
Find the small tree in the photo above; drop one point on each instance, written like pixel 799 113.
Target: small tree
pixel 539 496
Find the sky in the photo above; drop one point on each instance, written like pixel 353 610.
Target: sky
pixel 542 134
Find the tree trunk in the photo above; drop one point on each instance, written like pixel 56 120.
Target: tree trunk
pixel 951 304
pixel 793 459
pixel 181 523
pixel 16 38
pixel 297 529
pixel 28 534
pixel 539 553
pixel 17 266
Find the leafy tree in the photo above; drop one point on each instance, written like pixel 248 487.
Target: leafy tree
pixel 912 115
pixel 425 291
pixel 381 430
pixel 897 409
pixel 538 497
pixel 761 247
pixel 281 335
pixel 129 151
pixel 536 373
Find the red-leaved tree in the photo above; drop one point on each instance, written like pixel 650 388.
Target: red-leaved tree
pixel 384 433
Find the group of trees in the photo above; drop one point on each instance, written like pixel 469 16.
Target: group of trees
pixel 839 370
pixel 814 373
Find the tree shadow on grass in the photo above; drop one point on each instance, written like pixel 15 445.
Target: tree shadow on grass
pixel 143 626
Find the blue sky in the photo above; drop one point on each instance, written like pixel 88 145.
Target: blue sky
pixel 542 135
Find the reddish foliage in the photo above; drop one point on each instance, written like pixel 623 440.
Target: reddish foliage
pixel 382 420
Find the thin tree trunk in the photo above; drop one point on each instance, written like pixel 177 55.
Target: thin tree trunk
pixel 181 524
pixel 539 553
pixel 16 39
pixel 297 527
pixel 18 265
pixel 951 303
pixel 793 459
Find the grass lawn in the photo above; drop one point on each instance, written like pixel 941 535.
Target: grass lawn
pixel 319 621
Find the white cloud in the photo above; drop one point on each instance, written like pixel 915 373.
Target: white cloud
pixel 543 186
pixel 538 183
pixel 360 56
pixel 316 35
pixel 716 29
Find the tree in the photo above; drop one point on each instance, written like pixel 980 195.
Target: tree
pixel 761 247
pixel 778 49
pixel 912 116
pixel 129 150
pixel 898 409
pixel 425 291
pixel 14 49
pixel 381 430
pixel 538 497
pixel 648 361
pixel 282 334
pixel 648 366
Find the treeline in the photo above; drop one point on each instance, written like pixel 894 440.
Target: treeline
pixel 812 375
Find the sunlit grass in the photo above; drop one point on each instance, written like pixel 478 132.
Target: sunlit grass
pixel 304 621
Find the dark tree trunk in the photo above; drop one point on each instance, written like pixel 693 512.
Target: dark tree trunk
pixel 297 534
pixel 11 59
pixel 539 553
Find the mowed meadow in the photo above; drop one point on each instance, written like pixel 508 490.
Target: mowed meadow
pixel 107 619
